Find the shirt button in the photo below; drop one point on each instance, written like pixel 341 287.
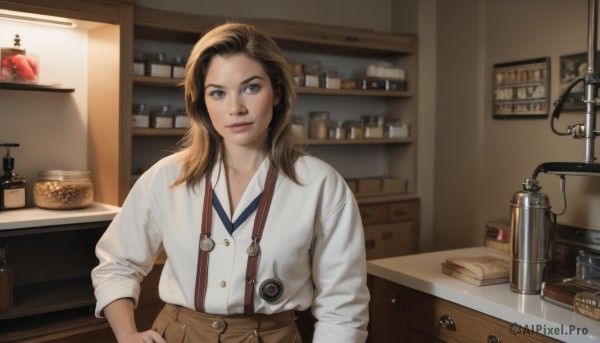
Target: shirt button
pixel 223 284
pixel 226 242
pixel 216 325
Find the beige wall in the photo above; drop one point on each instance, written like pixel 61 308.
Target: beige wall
pixel 480 161
pixel 457 152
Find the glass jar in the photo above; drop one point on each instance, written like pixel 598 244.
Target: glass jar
pixel 57 189
pixel 318 125
pixel 337 130
pixel 354 130
pixel 162 119
pixel 395 129
pixel 178 67
pixel 331 80
pixel 373 126
pixel 139 64
pixel 311 75
pixel 140 117
pixel 298 128
pixel 159 66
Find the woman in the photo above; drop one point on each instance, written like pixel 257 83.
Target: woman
pixel 253 228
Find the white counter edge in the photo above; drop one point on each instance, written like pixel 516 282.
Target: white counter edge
pixel 36 217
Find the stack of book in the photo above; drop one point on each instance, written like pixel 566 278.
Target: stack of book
pixel 479 270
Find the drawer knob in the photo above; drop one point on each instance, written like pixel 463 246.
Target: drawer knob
pixel 493 339
pixel 447 323
pixel 397 301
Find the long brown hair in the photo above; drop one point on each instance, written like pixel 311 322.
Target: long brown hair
pixel 202 142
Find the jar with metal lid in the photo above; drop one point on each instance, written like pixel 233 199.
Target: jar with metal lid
pixel 162 119
pixel 58 189
pixel 337 130
pixel 354 130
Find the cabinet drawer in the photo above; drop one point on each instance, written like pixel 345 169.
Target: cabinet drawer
pixel 466 325
pixel 404 210
pixel 388 240
pixel 374 214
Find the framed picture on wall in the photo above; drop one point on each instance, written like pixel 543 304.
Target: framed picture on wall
pixel 571 67
pixel 521 89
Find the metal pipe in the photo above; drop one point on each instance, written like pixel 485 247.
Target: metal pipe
pixel 591 88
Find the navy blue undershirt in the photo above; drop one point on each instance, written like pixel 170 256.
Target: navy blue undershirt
pixel 231 227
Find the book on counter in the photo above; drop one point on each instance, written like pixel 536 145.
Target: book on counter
pixel 478 270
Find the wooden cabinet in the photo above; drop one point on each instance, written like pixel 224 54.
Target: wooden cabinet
pixel 391 228
pixel 52 290
pixel 402 314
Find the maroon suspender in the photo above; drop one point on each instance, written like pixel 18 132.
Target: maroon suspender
pixel 206 229
pixel 253 250
pixel 259 224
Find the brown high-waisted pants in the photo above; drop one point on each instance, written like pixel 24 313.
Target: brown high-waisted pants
pixel 179 324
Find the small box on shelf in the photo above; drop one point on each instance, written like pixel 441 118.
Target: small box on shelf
pixel 394 185
pixel 369 185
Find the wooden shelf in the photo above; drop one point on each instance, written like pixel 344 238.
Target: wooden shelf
pixel 35 87
pixel 354 92
pixel 150 132
pixel 54 325
pixel 364 141
pixel 335 39
pixel 371 198
pixel 175 82
pixel 157 81
pixel 50 297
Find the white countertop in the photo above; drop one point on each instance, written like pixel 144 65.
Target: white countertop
pixel 423 272
pixel 35 217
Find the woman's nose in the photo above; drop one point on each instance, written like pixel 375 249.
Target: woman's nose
pixel 237 106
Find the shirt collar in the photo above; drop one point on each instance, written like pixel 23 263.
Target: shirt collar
pixel 255 187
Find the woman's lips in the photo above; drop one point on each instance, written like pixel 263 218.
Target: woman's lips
pixel 239 127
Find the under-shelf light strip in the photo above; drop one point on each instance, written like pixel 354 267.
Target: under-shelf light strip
pixel 37 19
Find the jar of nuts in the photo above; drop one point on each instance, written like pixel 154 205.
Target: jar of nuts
pixel 57 189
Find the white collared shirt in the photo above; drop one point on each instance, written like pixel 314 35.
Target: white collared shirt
pixel 313 241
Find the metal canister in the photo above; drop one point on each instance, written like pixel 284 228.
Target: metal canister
pixel 532 229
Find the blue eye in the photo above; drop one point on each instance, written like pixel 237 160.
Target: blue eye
pixel 216 94
pixel 252 88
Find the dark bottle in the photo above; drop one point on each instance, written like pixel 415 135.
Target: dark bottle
pixel 6 281
pixel 12 187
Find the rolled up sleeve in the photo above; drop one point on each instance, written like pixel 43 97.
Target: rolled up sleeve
pixel 126 252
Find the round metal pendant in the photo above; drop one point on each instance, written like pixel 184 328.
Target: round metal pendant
pixel 253 249
pixel 271 289
pixel 207 244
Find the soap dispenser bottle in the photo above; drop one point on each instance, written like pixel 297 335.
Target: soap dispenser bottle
pixel 12 187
